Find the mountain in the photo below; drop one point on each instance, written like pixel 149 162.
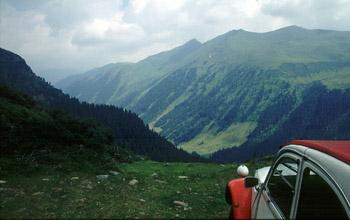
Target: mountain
pixel 33 136
pixel 127 128
pixel 241 89
pixel 125 82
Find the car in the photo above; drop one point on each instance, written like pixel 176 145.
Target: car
pixel 309 179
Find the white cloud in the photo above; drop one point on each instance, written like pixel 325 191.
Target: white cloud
pixel 323 14
pixel 79 35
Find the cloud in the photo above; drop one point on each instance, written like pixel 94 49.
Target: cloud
pixel 74 36
pixel 323 14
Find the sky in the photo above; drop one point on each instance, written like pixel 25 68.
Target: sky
pixel 62 37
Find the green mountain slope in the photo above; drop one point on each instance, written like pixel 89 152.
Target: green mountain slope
pixel 126 127
pixel 32 136
pixel 124 83
pixel 220 94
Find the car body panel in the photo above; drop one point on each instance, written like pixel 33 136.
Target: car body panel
pixel 240 199
pixel 263 208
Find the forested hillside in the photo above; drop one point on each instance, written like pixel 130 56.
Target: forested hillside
pixel 323 115
pixel 240 89
pixel 31 135
pixel 127 129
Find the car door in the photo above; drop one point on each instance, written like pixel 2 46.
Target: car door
pixel 277 195
pixel 319 197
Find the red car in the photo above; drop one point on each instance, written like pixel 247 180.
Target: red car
pixel 308 179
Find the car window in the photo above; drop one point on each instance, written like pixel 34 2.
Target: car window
pixel 281 185
pixel 317 200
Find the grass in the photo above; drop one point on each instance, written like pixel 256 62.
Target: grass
pixel 171 107
pixel 338 79
pixel 45 192
pixel 208 142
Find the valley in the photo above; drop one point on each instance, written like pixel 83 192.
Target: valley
pixel 236 90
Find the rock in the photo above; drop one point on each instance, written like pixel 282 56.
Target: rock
pixel 180 203
pixel 3 181
pixel 177 215
pixel 37 193
pixel 114 173
pixel 102 177
pixel 142 213
pixel 133 182
pixel 45 179
pixel 183 177
pixel 74 178
pixel 154 174
pixel 142 200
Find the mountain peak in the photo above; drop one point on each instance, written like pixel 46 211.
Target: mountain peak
pixel 194 41
pixel 291 28
pixel 176 53
pixel 189 45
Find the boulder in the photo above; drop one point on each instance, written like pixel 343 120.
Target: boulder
pixel 133 182
pixel 114 173
pixel 183 177
pixel 102 177
pixel 181 203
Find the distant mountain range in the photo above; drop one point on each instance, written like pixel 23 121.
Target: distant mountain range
pixel 27 124
pixel 241 89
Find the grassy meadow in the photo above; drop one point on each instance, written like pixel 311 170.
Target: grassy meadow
pixel 141 190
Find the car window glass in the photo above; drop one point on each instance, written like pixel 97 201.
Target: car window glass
pixel 281 185
pixel 317 200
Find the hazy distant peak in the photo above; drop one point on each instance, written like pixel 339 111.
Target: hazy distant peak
pixel 240 31
pixel 192 42
pixel 189 45
pixel 291 28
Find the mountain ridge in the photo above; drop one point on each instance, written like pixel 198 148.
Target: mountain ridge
pixel 127 128
pixel 217 96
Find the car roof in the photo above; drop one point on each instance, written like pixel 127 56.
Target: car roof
pixel 337 149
